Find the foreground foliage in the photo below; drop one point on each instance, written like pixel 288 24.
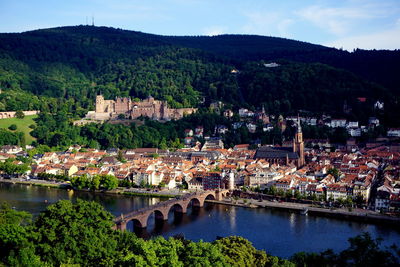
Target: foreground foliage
pixel 81 234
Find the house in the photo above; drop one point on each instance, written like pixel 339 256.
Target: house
pixel 382 200
pixel 336 191
pixel 212 180
pixel 195 183
pixel 373 121
pixel 285 183
pixel 354 132
pixel 310 121
pixel 338 123
pixel 352 124
pixel 221 129
pixel 244 112
pixel 228 113
pixel 251 127
pixel 213 143
pixel 199 131
pixel 188 132
pixel 10 149
pixel 69 169
pixel 4 156
pixel 112 151
pixel 216 106
pixel 188 141
pixel 241 147
pixel 268 127
pixel 237 125
pixel 271 65
pixel 379 105
pixel 393 132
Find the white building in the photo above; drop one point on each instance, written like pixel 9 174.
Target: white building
pixel 393 132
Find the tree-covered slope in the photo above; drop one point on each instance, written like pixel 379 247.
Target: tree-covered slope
pixel 79 62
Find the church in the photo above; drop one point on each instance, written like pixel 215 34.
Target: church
pixel 285 155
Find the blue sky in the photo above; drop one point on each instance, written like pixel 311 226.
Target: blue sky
pixel 347 24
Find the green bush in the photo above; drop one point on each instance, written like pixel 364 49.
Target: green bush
pixel 12 127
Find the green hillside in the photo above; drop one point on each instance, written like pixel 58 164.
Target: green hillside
pixel 76 63
pixel 22 126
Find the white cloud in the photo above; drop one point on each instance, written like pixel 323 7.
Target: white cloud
pixel 265 23
pixel 389 39
pixel 214 30
pixel 342 20
pixel 335 20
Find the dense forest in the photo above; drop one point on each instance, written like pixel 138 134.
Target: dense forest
pixel 80 233
pixel 59 71
pixel 79 62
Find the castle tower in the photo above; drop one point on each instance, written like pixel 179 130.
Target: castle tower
pixel 99 104
pixel 298 144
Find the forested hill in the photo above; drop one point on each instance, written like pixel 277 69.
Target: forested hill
pixel 78 62
pixel 381 66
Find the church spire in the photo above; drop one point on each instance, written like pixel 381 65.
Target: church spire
pixel 298 123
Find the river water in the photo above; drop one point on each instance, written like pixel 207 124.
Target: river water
pixel 280 233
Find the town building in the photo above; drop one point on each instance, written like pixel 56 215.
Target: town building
pixel 285 155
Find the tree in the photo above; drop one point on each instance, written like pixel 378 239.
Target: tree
pixel 120 157
pixel 334 172
pixel 10 168
pixel 273 190
pixel 12 127
pixel 240 252
pixel 19 114
pixel 366 251
pixel 15 244
pixel 95 183
pixel 80 182
pixel 108 182
pixel 78 233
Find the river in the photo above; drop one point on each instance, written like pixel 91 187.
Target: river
pixel 280 233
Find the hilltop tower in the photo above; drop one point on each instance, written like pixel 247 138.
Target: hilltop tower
pixel 99 104
pixel 298 144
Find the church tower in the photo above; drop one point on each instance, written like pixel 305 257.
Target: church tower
pixel 298 144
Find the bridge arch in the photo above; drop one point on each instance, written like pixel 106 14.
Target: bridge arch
pixel 160 214
pixel 210 197
pixel 178 208
pixel 195 202
pixel 137 223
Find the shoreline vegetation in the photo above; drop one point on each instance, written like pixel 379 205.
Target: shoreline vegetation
pixel 341 214
pixel 46 241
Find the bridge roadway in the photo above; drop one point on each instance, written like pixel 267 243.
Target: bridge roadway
pixel 161 209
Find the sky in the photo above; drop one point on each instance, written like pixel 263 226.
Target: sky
pixel 347 24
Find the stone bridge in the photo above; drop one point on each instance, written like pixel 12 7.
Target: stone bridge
pixel 161 209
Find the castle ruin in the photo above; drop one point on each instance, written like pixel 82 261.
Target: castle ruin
pixel 151 108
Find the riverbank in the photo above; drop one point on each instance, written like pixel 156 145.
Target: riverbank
pixel 118 191
pixel 344 214
pixel 41 183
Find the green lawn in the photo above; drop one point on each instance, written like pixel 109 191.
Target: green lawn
pixel 22 126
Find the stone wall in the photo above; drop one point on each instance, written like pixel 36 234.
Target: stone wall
pixel 11 114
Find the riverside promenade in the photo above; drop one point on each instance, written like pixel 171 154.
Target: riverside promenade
pixel 340 213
